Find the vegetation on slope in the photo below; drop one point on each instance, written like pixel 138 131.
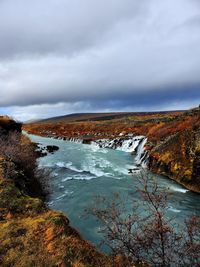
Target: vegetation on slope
pixel 138 123
pixel 177 153
pixel 31 234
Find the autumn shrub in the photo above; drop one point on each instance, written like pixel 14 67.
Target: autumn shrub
pixel 20 164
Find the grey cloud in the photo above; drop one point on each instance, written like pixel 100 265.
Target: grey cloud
pixel 59 26
pixel 94 52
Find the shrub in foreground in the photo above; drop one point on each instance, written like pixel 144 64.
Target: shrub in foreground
pixel 145 235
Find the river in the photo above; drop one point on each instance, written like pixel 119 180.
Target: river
pixel 81 171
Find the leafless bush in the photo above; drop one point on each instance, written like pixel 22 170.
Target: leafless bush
pixel 190 249
pixel 149 236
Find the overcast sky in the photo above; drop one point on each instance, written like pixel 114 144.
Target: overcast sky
pixel 66 56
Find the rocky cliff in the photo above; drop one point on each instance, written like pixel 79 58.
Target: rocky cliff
pixel 177 154
pixel 178 157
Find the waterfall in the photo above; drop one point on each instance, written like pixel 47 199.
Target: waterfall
pixel 141 157
pixel 129 144
pixel 123 144
pixel 134 145
pixel 75 140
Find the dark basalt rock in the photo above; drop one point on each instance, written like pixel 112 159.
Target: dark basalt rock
pixel 43 151
pixel 52 148
pixel 87 141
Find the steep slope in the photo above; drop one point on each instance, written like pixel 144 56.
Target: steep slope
pixel 178 157
pixel 33 235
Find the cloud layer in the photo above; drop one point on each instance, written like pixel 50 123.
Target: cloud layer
pixel 108 54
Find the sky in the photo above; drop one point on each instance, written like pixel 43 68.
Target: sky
pixel 70 56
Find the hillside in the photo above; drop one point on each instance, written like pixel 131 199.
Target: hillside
pixel 175 150
pixel 98 126
pixel 32 234
pixel 78 117
pixel 173 138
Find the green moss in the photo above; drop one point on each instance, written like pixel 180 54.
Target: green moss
pixel 57 220
pixel 12 200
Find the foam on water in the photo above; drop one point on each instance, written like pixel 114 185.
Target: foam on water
pixel 174 209
pixel 91 168
pixel 68 165
pixel 66 193
pixel 95 165
pixel 67 178
pixel 78 177
pixel 178 189
pixel 94 148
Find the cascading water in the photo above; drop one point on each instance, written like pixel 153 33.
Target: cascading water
pixel 75 140
pixel 129 143
pixel 134 145
pixel 141 155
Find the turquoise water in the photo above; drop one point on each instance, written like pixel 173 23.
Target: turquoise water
pixel 80 172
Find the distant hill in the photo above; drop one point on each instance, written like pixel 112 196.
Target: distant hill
pixel 78 117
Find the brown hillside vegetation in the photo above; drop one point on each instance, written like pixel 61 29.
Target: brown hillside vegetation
pixel 31 234
pixel 98 127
